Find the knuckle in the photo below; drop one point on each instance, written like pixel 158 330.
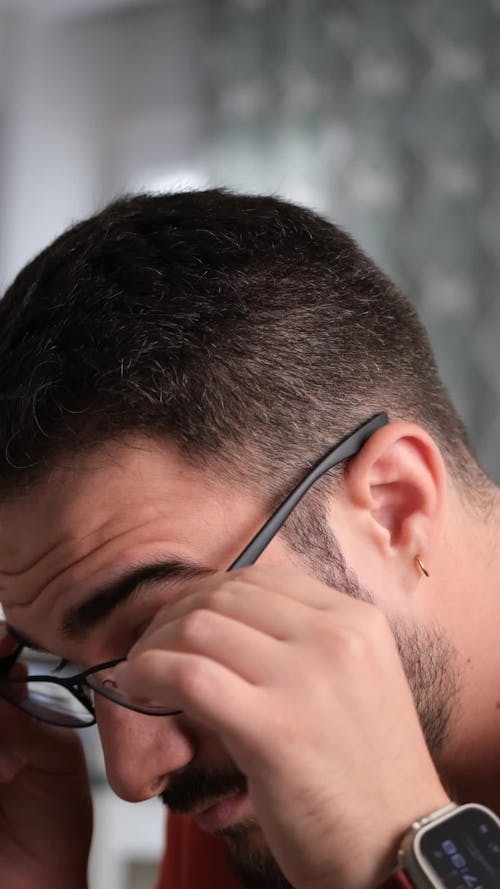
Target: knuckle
pixel 215 600
pixel 249 575
pixel 353 643
pixel 344 642
pixel 286 727
pixel 145 664
pixel 191 680
pixel 193 626
pixel 236 587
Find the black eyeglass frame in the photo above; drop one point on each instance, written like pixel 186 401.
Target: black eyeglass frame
pixel 75 684
pixel 347 447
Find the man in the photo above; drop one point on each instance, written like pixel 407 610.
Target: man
pixel 170 370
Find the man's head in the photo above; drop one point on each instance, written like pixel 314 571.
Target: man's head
pixel 168 370
pixel 249 331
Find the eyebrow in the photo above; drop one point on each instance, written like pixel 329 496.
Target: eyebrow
pixel 104 601
pixel 82 618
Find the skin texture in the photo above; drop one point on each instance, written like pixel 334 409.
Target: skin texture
pixel 44 798
pixel 264 662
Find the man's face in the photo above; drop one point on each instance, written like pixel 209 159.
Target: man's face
pixel 96 520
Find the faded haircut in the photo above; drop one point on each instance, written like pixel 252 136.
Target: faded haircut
pixel 249 331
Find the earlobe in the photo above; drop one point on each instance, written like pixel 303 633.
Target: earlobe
pixel 398 481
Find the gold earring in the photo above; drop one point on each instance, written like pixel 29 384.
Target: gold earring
pixel 419 563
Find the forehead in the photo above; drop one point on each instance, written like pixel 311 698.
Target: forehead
pixel 124 501
pixel 118 482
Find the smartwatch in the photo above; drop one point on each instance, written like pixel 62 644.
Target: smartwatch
pixel 456 847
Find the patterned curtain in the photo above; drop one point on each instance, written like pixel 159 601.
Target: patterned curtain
pixel 385 116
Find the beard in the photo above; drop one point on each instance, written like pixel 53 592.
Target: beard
pixel 429 658
pixel 429 661
pixel 249 857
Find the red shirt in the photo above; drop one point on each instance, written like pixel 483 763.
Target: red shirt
pixel 197 860
pixel 194 859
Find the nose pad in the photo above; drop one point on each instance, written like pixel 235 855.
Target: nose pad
pixel 141 751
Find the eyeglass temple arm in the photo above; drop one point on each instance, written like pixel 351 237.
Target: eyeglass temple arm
pixel 346 448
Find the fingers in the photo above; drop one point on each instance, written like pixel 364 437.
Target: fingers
pixel 273 614
pixel 283 606
pixel 289 582
pixel 306 691
pixel 11 764
pixel 229 642
pixel 7 642
pixel 240 621
pixel 212 694
pixel 274 602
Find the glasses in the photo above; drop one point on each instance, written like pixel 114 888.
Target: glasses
pixel 59 695
pixel 62 697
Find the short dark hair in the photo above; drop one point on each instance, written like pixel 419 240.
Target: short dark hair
pixel 234 325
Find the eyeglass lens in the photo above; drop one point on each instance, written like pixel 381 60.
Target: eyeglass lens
pixel 46 698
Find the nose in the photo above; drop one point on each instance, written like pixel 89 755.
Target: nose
pixel 141 751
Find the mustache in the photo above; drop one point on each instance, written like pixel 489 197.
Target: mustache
pixel 192 786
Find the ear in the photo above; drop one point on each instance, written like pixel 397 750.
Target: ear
pixel 396 487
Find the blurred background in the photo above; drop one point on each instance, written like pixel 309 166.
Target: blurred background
pixel 384 116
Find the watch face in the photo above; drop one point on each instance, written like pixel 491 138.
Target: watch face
pixel 464 851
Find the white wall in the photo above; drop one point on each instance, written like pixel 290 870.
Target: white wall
pixel 124 836
pixel 88 108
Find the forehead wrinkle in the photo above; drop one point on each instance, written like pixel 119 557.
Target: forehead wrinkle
pixel 44 582
pixel 19 582
pixel 40 557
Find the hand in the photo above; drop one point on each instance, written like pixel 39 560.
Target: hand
pixel 305 688
pixel 45 805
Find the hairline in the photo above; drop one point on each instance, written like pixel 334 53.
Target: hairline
pixel 476 498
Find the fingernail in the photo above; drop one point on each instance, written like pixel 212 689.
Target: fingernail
pixel 11 763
